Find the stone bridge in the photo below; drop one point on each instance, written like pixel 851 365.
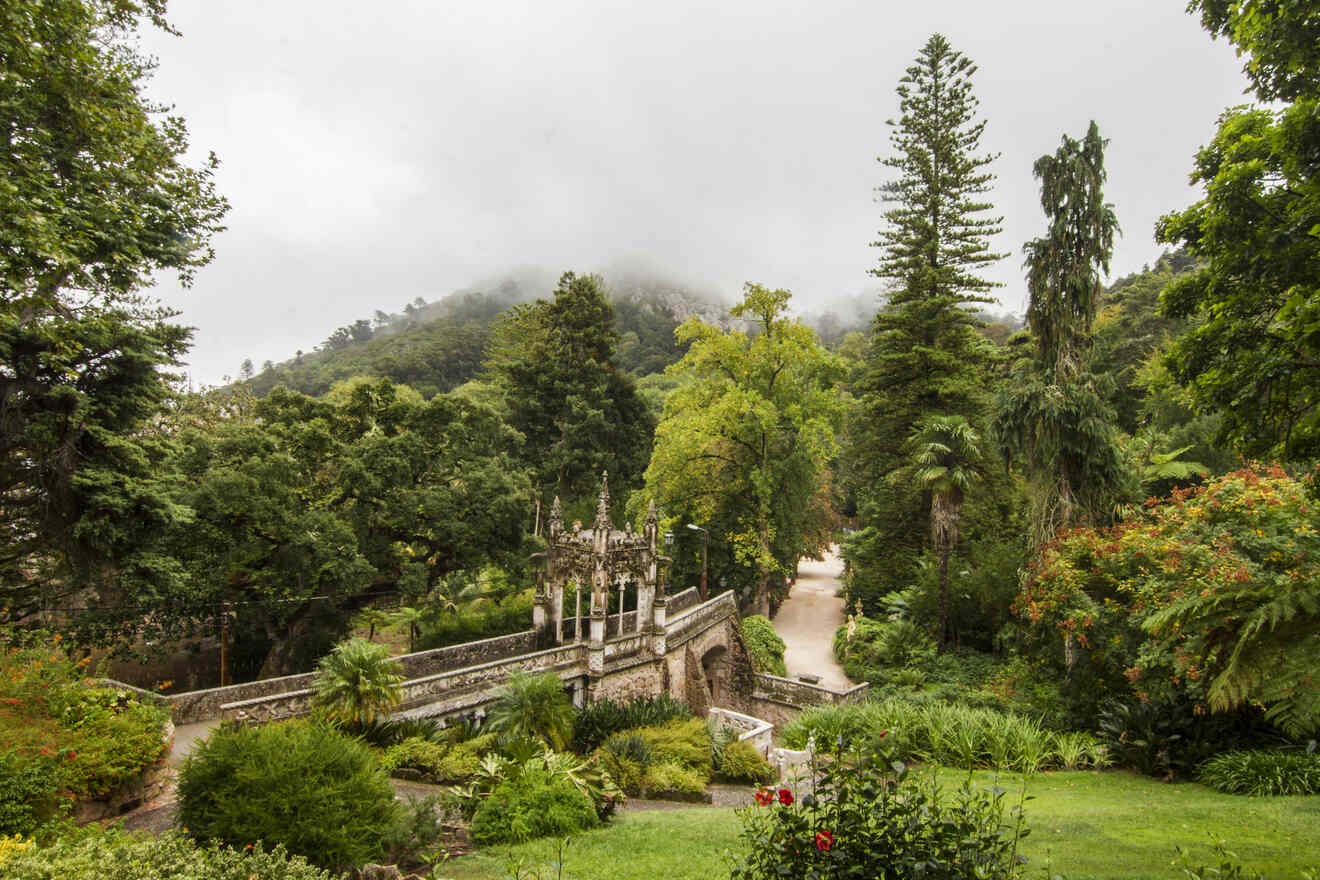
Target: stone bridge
pixel 680 645
pixel 695 653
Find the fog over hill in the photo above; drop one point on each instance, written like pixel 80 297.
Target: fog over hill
pixel 374 154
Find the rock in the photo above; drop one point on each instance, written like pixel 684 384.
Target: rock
pixel 380 872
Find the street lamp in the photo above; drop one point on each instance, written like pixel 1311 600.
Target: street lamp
pixel 705 552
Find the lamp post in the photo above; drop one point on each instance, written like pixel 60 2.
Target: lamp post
pixel 705 552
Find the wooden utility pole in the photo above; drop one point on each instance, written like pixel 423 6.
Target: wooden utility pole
pixel 224 643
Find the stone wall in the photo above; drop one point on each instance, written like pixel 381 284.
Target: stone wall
pixel 704 662
pixel 680 602
pixel 780 700
pixel 756 731
pixel 205 705
pixel 645 679
pixel 437 695
pixel 693 622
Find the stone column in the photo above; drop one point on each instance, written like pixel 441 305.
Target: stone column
pixel 658 626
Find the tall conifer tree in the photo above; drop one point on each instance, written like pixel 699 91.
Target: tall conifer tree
pixel 924 358
pixel 1053 415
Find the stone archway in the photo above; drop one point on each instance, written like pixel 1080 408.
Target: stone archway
pixel 715 671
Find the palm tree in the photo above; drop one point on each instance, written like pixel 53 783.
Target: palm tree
pixel 533 707
pixel 411 617
pixel 356 682
pixel 945 461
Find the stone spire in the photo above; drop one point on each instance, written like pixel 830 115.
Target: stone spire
pixel 603 503
pixel 651 528
pixel 555 527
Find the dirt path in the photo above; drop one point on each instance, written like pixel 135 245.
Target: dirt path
pixel 807 621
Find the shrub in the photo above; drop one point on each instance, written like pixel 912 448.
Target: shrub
pixel 10 846
pixel 1263 773
pixel 626 757
pixel 27 794
pixel 599 721
pixel 533 707
pixel 668 777
pixel 417 831
pixel 437 763
pixel 113 855
pixel 87 738
pixel 385 732
pixel 764 645
pixel 952 734
pixel 356 682
pixel 303 785
pixel 632 746
pixel 629 775
pixel 864 821
pixel 680 742
pixel 535 804
pixel 741 762
pixel 884 644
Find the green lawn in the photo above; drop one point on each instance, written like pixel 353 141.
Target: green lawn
pixel 1090 826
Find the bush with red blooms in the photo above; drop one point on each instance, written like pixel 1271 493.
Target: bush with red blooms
pixel 865 816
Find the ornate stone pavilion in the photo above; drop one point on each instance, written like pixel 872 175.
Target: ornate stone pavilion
pixel 608 562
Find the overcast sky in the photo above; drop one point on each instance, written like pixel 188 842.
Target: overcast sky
pixel 375 152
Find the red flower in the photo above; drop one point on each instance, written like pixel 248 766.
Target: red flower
pixel 764 797
pixel 882 734
pixel 785 797
pixel 72 755
pixel 824 840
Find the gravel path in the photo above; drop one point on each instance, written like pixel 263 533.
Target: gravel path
pixel 807 621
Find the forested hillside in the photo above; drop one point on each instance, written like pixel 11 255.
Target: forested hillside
pixel 435 347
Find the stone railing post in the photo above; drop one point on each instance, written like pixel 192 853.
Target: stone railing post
pixel 658 630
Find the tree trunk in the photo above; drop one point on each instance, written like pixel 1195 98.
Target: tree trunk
pixel 946 616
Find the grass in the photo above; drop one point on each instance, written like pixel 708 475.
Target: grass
pixel 684 844
pixel 1084 825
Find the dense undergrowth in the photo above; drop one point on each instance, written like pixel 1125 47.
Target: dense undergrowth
pixel 64 737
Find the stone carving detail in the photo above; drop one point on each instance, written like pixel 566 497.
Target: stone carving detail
pixel 601 562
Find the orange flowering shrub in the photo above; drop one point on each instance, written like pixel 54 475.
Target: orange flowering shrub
pixel 1193 595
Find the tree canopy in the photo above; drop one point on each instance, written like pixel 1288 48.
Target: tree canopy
pixel 1053 414
pixel 746 436
pixel 95 197
pixel 579 414
pixel 1254 298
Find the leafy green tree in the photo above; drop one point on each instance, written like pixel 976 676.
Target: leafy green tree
pixel 945 462
pixel 578 412
pixel 1053 413
pixel 1255 297
pixel 925 357
pixel 315 509
pixel 95 200
pixel 357 683
pixel 533 707
pixel 747 435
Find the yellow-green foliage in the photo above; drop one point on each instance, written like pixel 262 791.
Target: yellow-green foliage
pixel 668 776
pixel 439 763
pixel 628 774
pixel 741 762
pixel 113 855
pixel 9 846
pixel 685 742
